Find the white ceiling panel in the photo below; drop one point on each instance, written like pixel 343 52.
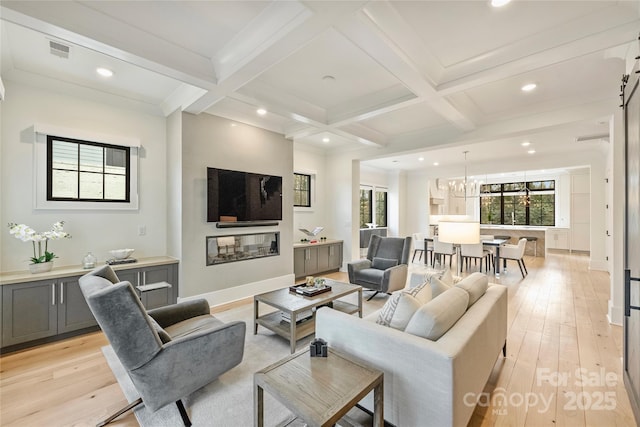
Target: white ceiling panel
pixel 200 26
pixel 456 31
pixel 409 119
pixel 355 74
pixel 580 80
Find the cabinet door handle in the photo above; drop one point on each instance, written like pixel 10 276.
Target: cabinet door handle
pixel 308 254
pixel 144 277
pixel 53 294
pixel 61 292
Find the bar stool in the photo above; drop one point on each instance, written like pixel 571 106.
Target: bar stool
pixel 505 237
pixel 535 243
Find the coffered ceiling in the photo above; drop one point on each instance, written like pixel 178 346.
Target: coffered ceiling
pixel 378 77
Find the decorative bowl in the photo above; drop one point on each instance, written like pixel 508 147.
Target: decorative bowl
pixel 121 253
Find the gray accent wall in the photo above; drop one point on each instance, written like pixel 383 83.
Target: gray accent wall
pixel 211 141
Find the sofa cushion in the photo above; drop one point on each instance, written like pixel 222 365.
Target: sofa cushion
pixel 369 275
pixel 383 263
pixel 437 316
pixel 401 306
pixel 438 287
pixel 194 324
pixel 475 284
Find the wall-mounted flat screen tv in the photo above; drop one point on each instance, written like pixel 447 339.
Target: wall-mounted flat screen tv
pixel 243 196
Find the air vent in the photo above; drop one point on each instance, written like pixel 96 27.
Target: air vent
pixel 603 137
pixel 59 49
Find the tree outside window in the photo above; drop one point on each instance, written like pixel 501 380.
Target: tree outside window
pixel 366 197
pixel 301 190
pixel 373 205
pixel 518 203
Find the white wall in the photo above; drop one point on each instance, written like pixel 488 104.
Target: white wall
pixel 211 141
pixel 92 230
pixel 174 185
pixel 309 160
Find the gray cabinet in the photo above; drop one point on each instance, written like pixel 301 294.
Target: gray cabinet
pixel 156 286
pixel 42 309
pixel 317 258
pixel 37 311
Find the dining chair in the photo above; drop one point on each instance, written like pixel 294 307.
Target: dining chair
pixel 515 253
pixel 442 249
pixel 490 249
pixel 474 251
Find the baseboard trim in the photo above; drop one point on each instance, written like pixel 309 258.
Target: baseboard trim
pixel 614 314
pixel 235 293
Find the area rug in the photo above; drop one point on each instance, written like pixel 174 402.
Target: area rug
pixel 228 401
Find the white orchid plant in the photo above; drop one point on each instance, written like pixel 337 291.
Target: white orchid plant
pixel 28 234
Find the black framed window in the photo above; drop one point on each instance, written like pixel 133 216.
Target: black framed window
pixel 373 206
pixel 518 203
pixel 86 171
pixel 381 208
pixel 366 205
pixel 302 190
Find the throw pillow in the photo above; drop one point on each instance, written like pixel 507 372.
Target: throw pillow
pixel 383 263
pixel 476 285
pixel 401 306
pixel 437 287
pixel 437 316
pixel 447 277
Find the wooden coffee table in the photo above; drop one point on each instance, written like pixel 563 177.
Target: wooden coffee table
pixel 294 305
pixel 318 390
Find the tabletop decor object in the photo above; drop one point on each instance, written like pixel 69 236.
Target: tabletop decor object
pixel 41 261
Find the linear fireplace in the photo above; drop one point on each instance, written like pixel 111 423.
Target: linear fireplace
pixel 241 247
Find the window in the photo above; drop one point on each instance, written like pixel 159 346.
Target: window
pixel 302 190
pixel 518 203
pixel 373 204
pixel 381 208
pixel 87 171
pixel 366 197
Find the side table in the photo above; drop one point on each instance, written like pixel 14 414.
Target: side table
pixel 318 390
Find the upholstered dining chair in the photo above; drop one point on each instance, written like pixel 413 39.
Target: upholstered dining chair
pixel 168 352
pixel 421 247
pixel 476 252
pixel 385 267
pixel 441 249
pixel 490 249
pixel 515 253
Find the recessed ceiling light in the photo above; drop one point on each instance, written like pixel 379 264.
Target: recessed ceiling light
pixel 529 87
pixel 531 151
pixel 421 159
pixel 104 72
pixel 435 163
pixel 261 111
pixel 325 139
pixel 499 3
pixel 233 125
pixel 525 143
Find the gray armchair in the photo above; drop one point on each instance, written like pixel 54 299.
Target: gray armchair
pixel 168 352
pixel 385 268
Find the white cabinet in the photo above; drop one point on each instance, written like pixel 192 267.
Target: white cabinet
pixel 557 238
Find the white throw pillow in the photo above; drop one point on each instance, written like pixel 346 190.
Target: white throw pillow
pixel 437 316
pixel 401 306
pixel 476 285
pixel 437 287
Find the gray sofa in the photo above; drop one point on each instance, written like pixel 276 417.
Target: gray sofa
pixel 428 382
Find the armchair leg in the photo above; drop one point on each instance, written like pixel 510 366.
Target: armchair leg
pixel 520 265
pixel 120 412
pixel 183 413
pixel 374 294
pixel 525 267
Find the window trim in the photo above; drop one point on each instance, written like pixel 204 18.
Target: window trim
pixel 37 135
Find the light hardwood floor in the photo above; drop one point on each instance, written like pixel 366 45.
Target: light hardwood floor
pixel 557 325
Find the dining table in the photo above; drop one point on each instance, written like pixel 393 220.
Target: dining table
pixel 497 243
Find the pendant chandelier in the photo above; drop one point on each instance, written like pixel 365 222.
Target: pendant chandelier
pixel 464 188
pixel 525 199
